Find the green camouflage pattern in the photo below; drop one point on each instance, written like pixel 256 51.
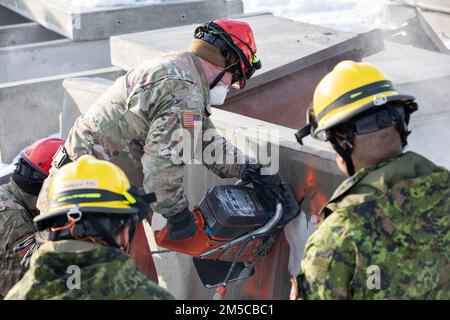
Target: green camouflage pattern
pixel 134 123
pixel 394 217
pixel 106 273
pixel 17 210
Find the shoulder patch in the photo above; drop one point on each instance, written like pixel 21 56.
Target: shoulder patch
pixel 191 120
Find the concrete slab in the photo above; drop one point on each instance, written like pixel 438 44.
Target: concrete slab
pixel 310 169
pixel 406 64
pixel 52 58
pixel 79 95
pixel 25 33
pixel 8 17
pixel 295 56
pixel 426 75
pixel 78 23
pixel 31 109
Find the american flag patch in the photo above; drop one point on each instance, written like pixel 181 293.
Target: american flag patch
pixel 22 252
pixel 191 120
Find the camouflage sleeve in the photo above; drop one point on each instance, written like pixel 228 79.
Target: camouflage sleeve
pixel 172 141
pixel 15 226
pixel 328 264
pixel 219 155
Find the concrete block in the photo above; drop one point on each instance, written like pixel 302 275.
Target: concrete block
pixel 30 109
pixel 79 94
pixel 235 7
pixel 8 17
pixel 425 75
pixel 78 23
pixel 293 61
pixel 5 174
pixel 25 33
pixel 51 58
pixel 310 169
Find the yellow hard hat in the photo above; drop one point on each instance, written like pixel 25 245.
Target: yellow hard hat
pixel 346 92
pixel 91 185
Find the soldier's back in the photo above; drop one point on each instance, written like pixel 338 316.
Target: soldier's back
pixel 78 270
pixel 389 234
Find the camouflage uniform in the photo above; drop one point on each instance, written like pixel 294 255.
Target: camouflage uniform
pixel 393 216
pixel 105 273
pixel 133 126
pixel 17 210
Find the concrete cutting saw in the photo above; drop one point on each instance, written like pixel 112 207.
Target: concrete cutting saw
pixel 237 226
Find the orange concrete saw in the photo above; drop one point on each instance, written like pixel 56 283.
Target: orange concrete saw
pixel 236 227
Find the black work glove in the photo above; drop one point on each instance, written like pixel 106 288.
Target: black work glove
pixel 181 226
pixel 268 187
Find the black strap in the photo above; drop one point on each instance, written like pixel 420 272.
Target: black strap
pixel 400 125
pixel 26 170
pixel 345 154
pixel 302 133
pixel 357 94
pixel 102 233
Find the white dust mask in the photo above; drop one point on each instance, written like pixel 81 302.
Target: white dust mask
pixel 218 94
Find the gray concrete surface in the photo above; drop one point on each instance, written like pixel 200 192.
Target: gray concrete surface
pixel 25 33
pixel 426 75
pixel 8 17
pixel 30 109
pixel 310 169
pixel 52 58
pixel 80 93
pixel 298 46
pixel 100 23
pixel 5 174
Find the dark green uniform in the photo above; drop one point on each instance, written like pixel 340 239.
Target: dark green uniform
pixel 104 273
pixel 386 235
pixel 17 210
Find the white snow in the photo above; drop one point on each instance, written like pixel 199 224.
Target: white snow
pixel 346 15
pixel 111 3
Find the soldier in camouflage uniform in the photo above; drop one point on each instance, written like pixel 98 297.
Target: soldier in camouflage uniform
pixel 136 124
pixel 386 233
pixel 18 208
pixel 93 212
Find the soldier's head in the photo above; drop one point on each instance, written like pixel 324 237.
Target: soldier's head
pixel 230 46
pixel 357 109
pixel 92 200
pixel 34 163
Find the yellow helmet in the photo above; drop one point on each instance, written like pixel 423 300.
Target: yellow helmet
pixel 351 89
pixel 92 186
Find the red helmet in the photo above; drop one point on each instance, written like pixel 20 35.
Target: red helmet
pixel 236 42
pixel 40 154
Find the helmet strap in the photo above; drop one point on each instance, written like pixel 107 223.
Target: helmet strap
pixel 28 178
pixel 344 153
pixel 400 124
pixel 217 79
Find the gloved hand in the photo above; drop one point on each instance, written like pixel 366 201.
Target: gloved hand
pixel 181 226
pixel 268 186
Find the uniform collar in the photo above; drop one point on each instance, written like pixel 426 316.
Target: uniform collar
pixel 383 175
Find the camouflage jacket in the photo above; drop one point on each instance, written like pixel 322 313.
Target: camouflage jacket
pixel 17 210
pixel 139 122
pixel 386 235
pixel 71 269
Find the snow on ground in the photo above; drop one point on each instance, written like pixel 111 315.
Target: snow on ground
pixel 346 15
